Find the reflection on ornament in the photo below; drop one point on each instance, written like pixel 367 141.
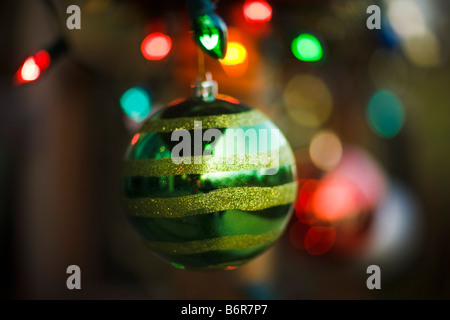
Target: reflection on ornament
pixel 209 214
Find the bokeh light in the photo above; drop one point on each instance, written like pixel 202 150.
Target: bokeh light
pixel 136 103
pixel 156 46
pixel 355 186
pixel 397 229
pixel 30 70
pixel 42 59
pixel 236 61
pixel 406 18
pixel 307 47
pixel 257 11
pixel 423 50
pixel 420 45
pixel 303 206
pixel 308 100
pixel 319 240
pixel 365 173
pixel 236 54
pixel 385 113
pixel 33 67
pixel 297 233
pixel 135 139
pixel 325 150
pixel 336 199
pixel 333 212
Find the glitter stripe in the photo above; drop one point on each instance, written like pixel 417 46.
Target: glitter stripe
pixel 240 198
pixel 242 119
pixel 223 243
pixel 210 164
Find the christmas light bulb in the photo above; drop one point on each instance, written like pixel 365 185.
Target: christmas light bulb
pixel 307 47
pixel 30 70
pixel 156 46
pixel 257 11
pixel 236 54
pixel 210 33
pixel 136 104
pixel 33 67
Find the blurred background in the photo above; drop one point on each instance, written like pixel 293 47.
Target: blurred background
pixel 365 111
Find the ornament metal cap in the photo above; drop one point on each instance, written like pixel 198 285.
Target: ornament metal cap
pixel 205 87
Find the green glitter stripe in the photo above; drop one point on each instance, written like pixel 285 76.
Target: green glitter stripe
pixel 242 198
pixel 247 118
pixel 209 164
pixel 218 224
pixel 223 243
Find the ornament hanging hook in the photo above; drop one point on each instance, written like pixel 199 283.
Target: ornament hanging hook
pixel 201 61
pixel 205 88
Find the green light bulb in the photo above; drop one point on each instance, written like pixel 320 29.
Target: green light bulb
pixel 307 47
pixel 210 33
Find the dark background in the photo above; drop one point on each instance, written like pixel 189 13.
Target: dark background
pixel 62 140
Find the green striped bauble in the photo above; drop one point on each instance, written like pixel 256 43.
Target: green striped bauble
pixel 223 208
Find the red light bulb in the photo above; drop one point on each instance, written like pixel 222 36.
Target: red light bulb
pixel 42 59
pixel 257 11
pixel 33 67
pixel 30 71
pixel 156 46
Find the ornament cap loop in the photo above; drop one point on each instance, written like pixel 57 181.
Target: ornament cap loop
pixel 205 88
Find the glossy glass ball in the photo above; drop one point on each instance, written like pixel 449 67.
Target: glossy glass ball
pixel 224 208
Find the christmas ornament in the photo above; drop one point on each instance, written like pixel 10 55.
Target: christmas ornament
pixel 225 198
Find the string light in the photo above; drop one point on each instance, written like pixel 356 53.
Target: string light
pixel 319 240
pixel 32 68
pixel 236 54
pixel 156 46
pixel 325 150
pixel 257 11
pixel 136 104
pixel 385 114
pixel 210 33
pixel 307 47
